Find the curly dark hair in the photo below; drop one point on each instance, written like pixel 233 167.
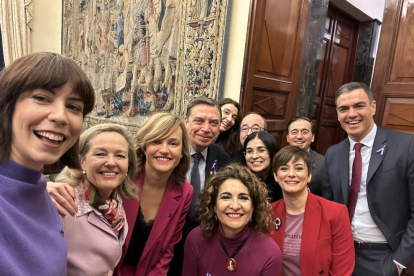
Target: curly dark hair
pixel 261 217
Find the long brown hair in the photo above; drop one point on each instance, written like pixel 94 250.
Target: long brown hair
pixel 229 139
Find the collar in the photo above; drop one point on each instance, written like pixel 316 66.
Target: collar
pixel 83 206
pixel 236 239
pixel 13 170
pixel 368 140
pixel 203 153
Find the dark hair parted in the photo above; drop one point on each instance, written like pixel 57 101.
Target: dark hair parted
pixel 41 70
pixel 270 144
pixel 229 139
pixel 202 100
pixel 158 127
pixel 287 153
pixel 351 86
pixel 297 118
pixel 127 188
pixel 261 217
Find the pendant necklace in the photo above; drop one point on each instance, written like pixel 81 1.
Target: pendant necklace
pixel 230 261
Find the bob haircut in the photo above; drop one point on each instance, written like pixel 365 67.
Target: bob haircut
pixel 229 138
pixel 127 188
pixel 158 127
pixel 261 217
pixel 287 153
pixel 41 70
pixel 270 144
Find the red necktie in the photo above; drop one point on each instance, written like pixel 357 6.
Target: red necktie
pixel 356 180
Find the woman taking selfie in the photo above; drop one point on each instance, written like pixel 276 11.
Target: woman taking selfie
pixel 259 149
pixel 231 116
pixel 108 162
pixel 43 100
pixel 233 236
pixel 313 233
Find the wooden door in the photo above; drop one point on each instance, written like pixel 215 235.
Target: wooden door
pixel 336 68
pixel 393 81
pixel 273 59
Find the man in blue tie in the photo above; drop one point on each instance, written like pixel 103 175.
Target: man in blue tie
pixel 372 172
pixel 202 123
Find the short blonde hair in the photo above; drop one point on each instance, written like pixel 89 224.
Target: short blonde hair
pixel 127 188
pixel 158 127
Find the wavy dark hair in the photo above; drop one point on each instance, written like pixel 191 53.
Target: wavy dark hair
pixel 229 139
pixel 271 146
pixel 261 217
pixel 42 70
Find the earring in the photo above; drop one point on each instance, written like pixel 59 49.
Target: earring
pixel 215 217
pixel 84 175
pixel 251 220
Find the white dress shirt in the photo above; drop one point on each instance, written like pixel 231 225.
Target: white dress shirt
pixel 363 226
pixel 201 167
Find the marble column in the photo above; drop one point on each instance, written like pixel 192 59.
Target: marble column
pixel 312 56
pixel 366 51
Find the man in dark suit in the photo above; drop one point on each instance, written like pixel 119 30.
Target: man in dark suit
pixel 372 172
pixel 202 123
pixel 300 132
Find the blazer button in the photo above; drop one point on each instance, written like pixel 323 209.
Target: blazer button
pixel 110 273
pixel 321 272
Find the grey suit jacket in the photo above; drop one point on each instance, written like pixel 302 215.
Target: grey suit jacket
pixel 390 187
pixel 315 185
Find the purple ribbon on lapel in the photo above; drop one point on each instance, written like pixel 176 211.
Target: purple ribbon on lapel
pixel 382 149
pixel 213 168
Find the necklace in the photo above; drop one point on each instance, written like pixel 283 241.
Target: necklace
pixel 230 261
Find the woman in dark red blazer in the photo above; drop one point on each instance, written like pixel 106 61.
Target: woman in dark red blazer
pixel 314 234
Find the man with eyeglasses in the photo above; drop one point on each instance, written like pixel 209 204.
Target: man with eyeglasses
pixel 300 133
pixel 252 122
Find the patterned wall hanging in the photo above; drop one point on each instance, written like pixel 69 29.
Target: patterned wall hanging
pixel 146 56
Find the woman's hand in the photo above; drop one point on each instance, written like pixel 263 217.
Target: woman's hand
pixel 62 196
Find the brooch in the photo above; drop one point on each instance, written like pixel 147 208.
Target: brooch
pixel 278 223
pixel 213 168
pixel 382 149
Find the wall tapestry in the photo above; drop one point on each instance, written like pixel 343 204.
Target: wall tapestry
pixel 146 56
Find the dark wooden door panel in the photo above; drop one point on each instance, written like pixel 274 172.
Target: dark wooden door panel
pixel 336 68
pixel 273 61
pixel 393 81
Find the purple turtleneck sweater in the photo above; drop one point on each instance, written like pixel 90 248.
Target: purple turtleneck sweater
pixel 260 256
pixel 31 235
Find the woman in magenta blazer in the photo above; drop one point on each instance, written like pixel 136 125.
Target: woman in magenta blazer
pixel 313 233
pixel 157 219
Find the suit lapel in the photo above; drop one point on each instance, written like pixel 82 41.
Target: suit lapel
pixel 344 169
pixel 279 211
pixel 211 157
pixel 168 206
pixel 376 157
pixel 131 212
pixel 96 220
pixel 310 234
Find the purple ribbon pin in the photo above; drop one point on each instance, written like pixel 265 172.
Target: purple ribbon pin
pixel 382 149
pixel 213 168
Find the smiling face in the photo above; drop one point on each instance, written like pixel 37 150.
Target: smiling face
pixel 234 206
pixel 202 126
pixel 257 156
pixel 293 177
pixel 355 113
pixel 45 125
pixel 300 134
pixel 106 162
pixel 228 116
pixel 163 155
pixel 251 123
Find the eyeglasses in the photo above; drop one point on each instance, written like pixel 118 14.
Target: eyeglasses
pixel 296 132
pixel 254 128
pixel 259 151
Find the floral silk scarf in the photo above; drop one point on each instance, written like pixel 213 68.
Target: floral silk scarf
pixel 108 207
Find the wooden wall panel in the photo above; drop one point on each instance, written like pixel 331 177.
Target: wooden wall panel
pixel 393 81
pixel 273 60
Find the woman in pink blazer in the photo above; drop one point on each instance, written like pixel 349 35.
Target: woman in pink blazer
pixel 314 234
pixel 157 219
